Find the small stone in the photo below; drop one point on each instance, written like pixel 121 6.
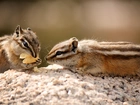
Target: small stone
pixel 126 103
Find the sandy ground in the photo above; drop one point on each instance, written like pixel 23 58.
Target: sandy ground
pixel 63 87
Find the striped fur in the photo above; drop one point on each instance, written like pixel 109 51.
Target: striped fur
pixel 117 58
pixel 11 46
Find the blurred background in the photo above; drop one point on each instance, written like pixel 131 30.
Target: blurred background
pixel 58 20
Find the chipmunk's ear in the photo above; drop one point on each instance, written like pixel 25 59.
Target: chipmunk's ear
pixel 29 29
pixel 74 44
pixel 18 31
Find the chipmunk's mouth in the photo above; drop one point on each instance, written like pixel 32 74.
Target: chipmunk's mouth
pixel 51 61
pixel 47 58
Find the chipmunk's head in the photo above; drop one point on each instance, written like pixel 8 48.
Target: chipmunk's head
pixel 26 41
pixel 62 52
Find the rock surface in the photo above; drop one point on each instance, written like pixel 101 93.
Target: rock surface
pixel 63 87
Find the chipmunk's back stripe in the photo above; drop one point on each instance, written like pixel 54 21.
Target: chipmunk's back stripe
pixel 120 49
pixel 116 48
pixel 124 57
pixel 115 43
pixel 121 53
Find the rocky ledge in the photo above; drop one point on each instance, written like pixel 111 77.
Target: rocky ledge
pixel 63 87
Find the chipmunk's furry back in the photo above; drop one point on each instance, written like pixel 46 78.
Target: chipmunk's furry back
pixel 90 56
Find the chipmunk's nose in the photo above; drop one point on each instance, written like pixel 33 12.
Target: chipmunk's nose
pixel 47 58
pixel 39 60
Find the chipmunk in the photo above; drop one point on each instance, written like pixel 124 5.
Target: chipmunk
pixel 92 57
pixel 12 46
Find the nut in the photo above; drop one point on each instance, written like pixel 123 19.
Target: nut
pixel 28 58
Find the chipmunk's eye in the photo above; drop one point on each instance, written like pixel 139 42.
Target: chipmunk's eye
pixel 59 53
pixel 25 44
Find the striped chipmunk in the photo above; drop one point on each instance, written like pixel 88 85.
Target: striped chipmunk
pixel 91 57
pixel 20 50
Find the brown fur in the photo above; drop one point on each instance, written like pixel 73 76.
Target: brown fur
pixel 4 64
pixel 121 67
pixel 11 47
pixel 116 58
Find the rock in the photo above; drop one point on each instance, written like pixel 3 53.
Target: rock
pixel 62 87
